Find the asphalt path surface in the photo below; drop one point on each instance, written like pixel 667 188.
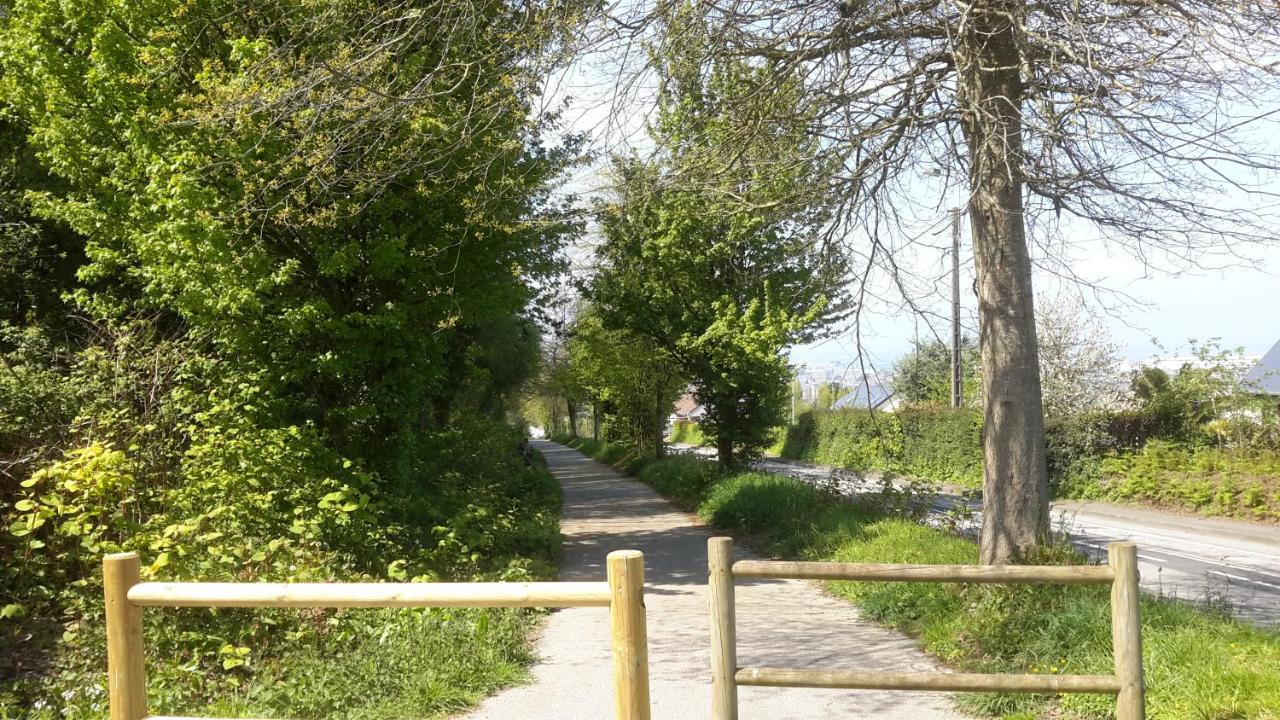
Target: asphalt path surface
pixel 781 623
pixel 1228 564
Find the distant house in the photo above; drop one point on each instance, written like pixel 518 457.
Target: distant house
pixel 872 393
pixel 1264 377
pixel 687 409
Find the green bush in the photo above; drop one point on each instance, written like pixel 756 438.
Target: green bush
pixel 939 444
pixel 683 478
pixel 1216 481
pixel 685 432
pixel 942 444
pixel 256 505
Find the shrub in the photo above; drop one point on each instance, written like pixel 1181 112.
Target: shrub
pixel 1213 480
pixel 686 479
pixel 940 444
pixel 254 504
pixel 687 433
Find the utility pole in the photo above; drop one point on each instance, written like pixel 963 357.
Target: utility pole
pixel 796 387
pixel 957 376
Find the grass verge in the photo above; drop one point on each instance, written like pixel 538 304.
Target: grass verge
pixel 1200 665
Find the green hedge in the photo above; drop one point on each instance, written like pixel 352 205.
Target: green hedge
pixel 937 443
pixel 1103 455
pixel 687 433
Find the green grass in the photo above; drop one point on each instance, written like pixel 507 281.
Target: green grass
pixel 1200 665
pixel 687 433
pixel 390 664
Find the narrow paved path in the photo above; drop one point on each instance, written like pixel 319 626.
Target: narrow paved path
pixel 780 623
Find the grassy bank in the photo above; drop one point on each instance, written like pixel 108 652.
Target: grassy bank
pixel 1200 665
pixel 1211 481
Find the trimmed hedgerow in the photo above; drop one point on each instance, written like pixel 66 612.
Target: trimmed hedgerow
pixel 687 433
pixel 941 444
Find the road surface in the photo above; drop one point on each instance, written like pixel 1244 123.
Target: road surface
pixel 1230 564
pixel 788 623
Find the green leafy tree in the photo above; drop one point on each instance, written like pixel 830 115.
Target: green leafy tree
pixel 924 375
pixel 267 279
pixel 713 255
pixel 340 216
pixel 634 380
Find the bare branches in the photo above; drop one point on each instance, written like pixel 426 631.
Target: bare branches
pixel 1134 112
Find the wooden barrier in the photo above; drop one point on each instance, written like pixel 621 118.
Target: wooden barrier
pixel 1121 572
pixel 126 596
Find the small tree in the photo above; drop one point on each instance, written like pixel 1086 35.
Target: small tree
pixel 717 259
pixel 1079 360
pixel 924 374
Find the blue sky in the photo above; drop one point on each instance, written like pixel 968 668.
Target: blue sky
pixel 1158 314
pixel 1239 305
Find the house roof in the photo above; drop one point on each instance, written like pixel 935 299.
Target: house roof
pixel 1265 376
pixel 685 404
pixel 871 393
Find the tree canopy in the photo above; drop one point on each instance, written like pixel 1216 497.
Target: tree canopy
pixel 718 259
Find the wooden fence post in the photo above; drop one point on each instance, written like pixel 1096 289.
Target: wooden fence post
pixel 630 636
pixel 126 673
pixel 724 633
pixel 1126 631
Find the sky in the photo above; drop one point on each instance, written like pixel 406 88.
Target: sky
pixel 1148 313
pixel 1240 306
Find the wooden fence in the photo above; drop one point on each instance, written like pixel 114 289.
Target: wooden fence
pixel 1121 573
pixel 126 596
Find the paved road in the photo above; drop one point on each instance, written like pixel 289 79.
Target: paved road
pixel 1196 559
pixel 780 623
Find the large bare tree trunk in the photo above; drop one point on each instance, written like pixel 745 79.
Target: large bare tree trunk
pixel 1015 501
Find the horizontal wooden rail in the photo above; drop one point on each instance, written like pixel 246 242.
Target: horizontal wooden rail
pixel 1028 574
pixel 125 596
pixel 945 682
pixel 371 595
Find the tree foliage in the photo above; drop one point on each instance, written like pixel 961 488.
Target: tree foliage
pixel 715 256
pixel 266 293
pixel 924 375
pixel 631 379
pixel 1079 361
